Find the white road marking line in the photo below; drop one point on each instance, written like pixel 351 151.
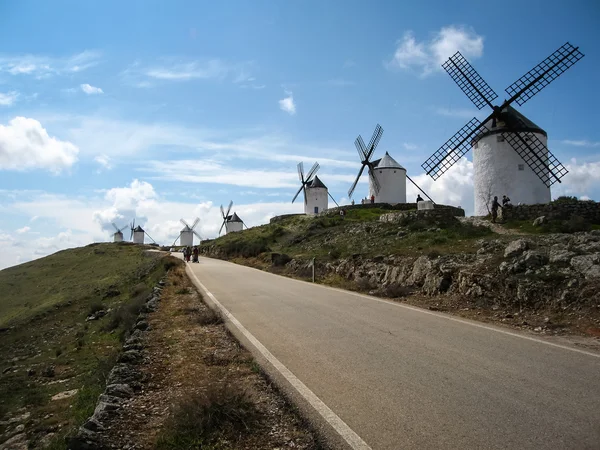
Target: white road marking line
pixel 353 439
pixel 432 313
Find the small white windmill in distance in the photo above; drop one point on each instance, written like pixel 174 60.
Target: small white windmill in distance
pixel 138 233
pixel 186 235
pixel 231 222
pixel 315 192
pixel 118 234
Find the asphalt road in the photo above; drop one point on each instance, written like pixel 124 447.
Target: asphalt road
pixel 405 378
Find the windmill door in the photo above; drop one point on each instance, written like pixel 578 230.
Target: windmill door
pixel 316 210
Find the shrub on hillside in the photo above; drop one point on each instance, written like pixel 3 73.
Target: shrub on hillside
pixel 203 420
pixel 575 224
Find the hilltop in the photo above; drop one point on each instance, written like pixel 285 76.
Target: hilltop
pixel 544 278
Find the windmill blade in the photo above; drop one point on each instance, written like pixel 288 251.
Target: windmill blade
pixel 173 245
pixel 374 179
pixel 374 140
pixel 298 193
pixel 452 150
pixel 469 81
pixel 336 203
pixel 229 209
pixel 313 171
pixel 244 224
pixel 150 237
pixel 222 212
pixel 121 230
pixel 543 74
pixel 305 196
pixel 419 188
pixel 115 227
pixel 360 148
pixel 533 151
pixel 197 235
pixel 221 229
pixel 351 190
pixel 184 223
pixel 196 222
pixel 301 171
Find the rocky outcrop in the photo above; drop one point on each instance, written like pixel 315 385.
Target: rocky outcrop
pixel 549 270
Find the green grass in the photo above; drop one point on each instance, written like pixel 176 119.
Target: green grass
pixel 45 305
pixel 574 224
pixel 360 232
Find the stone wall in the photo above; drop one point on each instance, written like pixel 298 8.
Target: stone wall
pixel 437 213
pixel 589 210
pixel 397 207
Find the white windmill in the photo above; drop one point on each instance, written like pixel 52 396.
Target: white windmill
pixel 510 153
pixel 138 233
pixel 387 178
pixel 315 192
pixel 186 235
pixel 118 234
pixel 231 222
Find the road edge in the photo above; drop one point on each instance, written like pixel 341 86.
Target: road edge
pixel 337 432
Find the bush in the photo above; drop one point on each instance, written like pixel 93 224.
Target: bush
pixel 395 290
pixel 209 317
pixel 223 413
pixel 575 224
pixel 95 307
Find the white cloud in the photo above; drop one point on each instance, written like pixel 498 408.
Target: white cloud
pixel 287 103
pixel 104 161
pixel 455 187
pixel 349 63
pixel 205 171
pixel 427 57
pixel 581 143
pixel 90 90
pixel 581 179
pixel 178 70
pixel 42 66
pixel 8 98
pixel 25 144
pixel 23 230
pixel 409 146
pixel 462 113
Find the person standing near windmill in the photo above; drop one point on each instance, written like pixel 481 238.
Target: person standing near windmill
pixel 495 206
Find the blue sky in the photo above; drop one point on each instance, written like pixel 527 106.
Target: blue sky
pixel 162 110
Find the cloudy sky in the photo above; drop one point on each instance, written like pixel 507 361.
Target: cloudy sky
pixel 161 110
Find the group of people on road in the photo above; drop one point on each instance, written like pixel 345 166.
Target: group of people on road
pixel 189 252
pixel 496 204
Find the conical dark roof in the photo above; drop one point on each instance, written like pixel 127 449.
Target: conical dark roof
pixel 138 229
pixel 234 218
pixel 317 183
pixel 519 121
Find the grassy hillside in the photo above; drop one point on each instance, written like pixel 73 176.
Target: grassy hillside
pixel 46 344
pixel 359 232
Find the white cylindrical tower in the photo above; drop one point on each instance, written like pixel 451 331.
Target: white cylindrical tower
pixel 392 181
pixel 234 223
pixel 499 170
pixel 138 235
pixel 317 198
pixel 118 237
pixel 186 239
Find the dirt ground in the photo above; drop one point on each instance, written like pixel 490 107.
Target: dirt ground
pixel 188 350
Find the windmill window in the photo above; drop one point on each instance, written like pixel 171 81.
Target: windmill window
pixel 380 171
pixel 394 171
pixel 499 138
pixel 476 145
pixel 521 166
